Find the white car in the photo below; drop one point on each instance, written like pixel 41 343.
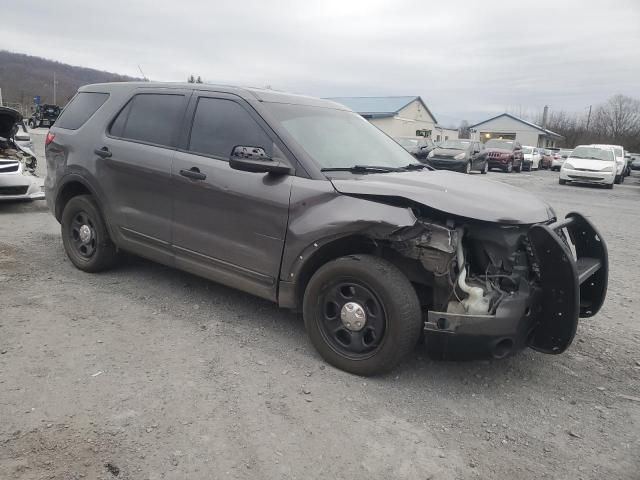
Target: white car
pixel 590 164
pixel 532 157
pixel 621 161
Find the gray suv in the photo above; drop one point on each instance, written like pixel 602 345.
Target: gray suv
pixel 303 202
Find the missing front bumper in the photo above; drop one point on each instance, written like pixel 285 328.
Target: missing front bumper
pixel 570 261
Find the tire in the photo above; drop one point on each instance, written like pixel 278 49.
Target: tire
pixel 609 186
pixel 388 335
pixel 518 169
pixel 32 124
pixel 617 180
pixel 98 252
pixel 485 169
pixel 562 182
pixel 509 167
pixel 467 169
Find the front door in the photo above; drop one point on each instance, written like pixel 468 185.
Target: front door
pixel 228 225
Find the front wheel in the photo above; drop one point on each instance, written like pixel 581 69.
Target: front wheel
pixel 32 124
pixel 617 180
pixel 509 167
pixel 362 314
pixel 561 181
pixel 485 169
pixel 467 168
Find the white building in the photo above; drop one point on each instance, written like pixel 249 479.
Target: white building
pixel 510 127
pixel 398 116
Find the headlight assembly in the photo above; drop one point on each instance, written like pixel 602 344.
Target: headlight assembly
pixel 460 156
pixel 431 154
pixel 567 165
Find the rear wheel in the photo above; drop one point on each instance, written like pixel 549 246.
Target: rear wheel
pixel 362 314
pixel 85 236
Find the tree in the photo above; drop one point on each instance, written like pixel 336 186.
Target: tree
pixel 618 120
pixel 463 130
pixel 198 80
pixel 191 79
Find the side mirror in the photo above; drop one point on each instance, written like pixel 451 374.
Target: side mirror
pixel 255 159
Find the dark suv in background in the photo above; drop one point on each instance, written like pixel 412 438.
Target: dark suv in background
pixel 300 201
pixel 504 154
pixel 44 116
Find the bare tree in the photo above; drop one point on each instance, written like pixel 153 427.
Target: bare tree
pixel 191 79
pixel 198 80
pixel 618 120
pixel 463 130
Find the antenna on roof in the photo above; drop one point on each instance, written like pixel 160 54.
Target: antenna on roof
pixel 144 77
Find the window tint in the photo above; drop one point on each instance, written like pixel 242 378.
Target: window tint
pixel 219 125
pixel 80 109
pixel 150 118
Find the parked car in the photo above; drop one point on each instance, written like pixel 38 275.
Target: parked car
pixel 504 154
pixel 302 202
pixel 635 163
pixel 590 164
pixel 419 147
pixel 44 116
pixel 18 180
pixel 459 156
pixel 546 162
pixel 531 158
pixel 621 161
pixel 559 158
pixel 627 163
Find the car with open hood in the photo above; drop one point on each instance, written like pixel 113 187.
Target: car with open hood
pixel 459 155
pixel 18 179
pixel 303 202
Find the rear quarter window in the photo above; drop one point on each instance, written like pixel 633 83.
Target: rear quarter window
pixel 80 109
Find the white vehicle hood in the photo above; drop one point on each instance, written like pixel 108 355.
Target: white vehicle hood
pixel 585 164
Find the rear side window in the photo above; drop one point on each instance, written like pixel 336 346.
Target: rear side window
pixel 80 109
pixel 150 118
pixel 219 125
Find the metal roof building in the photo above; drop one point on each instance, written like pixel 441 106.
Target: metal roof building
pixel 510 127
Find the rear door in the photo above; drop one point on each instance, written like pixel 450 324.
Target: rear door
pixel 228 225
pixel 135 169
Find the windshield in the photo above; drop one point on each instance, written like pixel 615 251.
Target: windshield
pixel 494 143
pixel 407 142
pixel 527 150
pixel 592 153
pixel 339 138
pixel 455 144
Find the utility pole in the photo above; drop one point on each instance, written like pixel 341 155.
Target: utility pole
pixel 0 97
pixel 589 118
pixel 54 88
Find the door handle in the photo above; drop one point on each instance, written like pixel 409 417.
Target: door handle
pixel 193 173
pixel 103 152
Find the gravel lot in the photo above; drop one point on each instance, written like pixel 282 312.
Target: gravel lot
pixel 146 372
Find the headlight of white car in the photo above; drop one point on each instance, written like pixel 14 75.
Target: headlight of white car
pixel 567 165
pixel 460 156
pixel 431 154
pixel 607 169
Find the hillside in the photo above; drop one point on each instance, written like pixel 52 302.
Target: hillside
pixel 23 76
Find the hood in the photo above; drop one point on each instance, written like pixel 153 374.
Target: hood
pixel 446 152
pixel 595 165
pixel 499 150
pixel 8 118
pixel 452 193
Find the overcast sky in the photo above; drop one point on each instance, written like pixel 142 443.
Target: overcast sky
pixel 467 59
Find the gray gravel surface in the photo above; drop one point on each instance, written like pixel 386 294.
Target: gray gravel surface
pixel 145 372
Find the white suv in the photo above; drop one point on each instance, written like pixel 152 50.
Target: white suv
pixel 621 161
pixel 590 164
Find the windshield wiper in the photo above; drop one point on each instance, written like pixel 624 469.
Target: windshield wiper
pixel 362 169
pixel 415 166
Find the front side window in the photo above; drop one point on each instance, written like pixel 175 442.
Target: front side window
pixel 219 125
pixel 150 118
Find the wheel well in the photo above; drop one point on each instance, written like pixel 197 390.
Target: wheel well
pixel 70 190
pixel 338 248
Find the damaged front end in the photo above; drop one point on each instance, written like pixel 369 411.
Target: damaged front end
pixel 18 179
pixel 493 289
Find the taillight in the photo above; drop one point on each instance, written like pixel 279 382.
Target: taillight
pixel 49 139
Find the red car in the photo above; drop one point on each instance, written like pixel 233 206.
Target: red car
pixel 504 154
